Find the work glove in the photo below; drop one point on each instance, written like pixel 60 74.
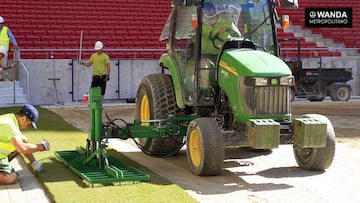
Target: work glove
pixel 46 145
pixel 37 166
pixel 107 77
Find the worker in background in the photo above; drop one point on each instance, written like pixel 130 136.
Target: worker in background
pixel 13 142
pixel 3 67
pixel 6 36
pixel 101 67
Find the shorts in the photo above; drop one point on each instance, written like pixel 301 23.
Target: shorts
pixel 5 166
pixel 99 81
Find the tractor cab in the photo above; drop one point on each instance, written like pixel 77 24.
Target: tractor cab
pixel 199 31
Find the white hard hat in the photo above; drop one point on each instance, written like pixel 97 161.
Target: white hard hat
pixel 3 50
pixel 99 45
pixel 2 19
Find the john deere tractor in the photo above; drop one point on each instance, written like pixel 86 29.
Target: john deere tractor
pixel 222 70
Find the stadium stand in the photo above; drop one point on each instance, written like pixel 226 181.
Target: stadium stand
pixel 311 48
pixel 348 36
pixel 133 25
pixel 120 24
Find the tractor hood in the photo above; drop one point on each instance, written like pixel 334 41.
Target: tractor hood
pixel 250 62
pixel 240 68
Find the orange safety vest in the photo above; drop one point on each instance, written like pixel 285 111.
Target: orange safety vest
pixel 4 38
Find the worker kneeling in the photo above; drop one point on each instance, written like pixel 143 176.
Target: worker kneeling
pixel 13 142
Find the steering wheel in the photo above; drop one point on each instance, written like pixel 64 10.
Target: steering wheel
pixel 218 38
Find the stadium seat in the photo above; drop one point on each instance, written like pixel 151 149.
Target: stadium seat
pixel 120 24
pixel 337 35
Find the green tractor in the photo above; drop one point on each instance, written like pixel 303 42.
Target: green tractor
pixel 222 68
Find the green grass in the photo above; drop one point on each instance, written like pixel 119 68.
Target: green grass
pixel 65 186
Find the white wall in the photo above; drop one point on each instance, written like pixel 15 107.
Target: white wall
pixel 124 78
pixel 75 80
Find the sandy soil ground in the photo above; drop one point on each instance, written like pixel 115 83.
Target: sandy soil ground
pixel 258 177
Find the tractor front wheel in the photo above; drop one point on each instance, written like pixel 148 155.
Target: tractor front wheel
pixel 317 159
pixel 205 151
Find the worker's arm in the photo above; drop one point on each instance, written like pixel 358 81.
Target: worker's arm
pixel 108 69
pixel 107 72
pixel 87 64
pixel 21 145
pixel 7 67
pixel 12 39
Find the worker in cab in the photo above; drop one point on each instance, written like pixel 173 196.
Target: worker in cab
pixel 216 28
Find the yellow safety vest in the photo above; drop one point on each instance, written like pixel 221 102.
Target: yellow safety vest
pixel 5 145
pixel 6 149
pixel 4 38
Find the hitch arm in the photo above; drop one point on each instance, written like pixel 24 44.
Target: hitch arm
pixel 170 127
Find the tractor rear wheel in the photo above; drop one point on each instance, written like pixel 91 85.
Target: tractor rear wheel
pixel 156 100
pixel 205 151
pixel 317 159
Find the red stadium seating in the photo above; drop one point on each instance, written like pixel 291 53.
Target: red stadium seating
pixel 119 24
pixel 349 36
pixel 125 24
pixel 291 46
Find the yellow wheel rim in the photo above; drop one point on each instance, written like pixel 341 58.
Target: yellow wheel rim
pixel 145 110
pixel 195 148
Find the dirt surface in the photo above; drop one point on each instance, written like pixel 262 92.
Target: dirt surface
pixel 257 177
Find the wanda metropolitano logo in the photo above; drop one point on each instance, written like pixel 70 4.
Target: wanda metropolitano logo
pixel 328 17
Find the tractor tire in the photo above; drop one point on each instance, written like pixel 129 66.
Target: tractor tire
pixel 156 100
pixel 340 92
pixel 205 151
pixel 317 159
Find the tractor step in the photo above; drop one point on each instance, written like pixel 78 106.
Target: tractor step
pixel 91 172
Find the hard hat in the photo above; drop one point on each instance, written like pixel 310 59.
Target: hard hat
pixel 209 9
pixel 3 50
pixel 98 45
pixel 1 19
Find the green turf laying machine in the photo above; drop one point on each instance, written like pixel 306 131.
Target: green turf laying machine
pixel 92 163
pixel 223 86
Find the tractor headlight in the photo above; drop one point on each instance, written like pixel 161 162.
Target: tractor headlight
pixel 287 80
pixel 256 81
pixel 259 81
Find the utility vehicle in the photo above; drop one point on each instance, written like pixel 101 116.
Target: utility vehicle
pixel 317 82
